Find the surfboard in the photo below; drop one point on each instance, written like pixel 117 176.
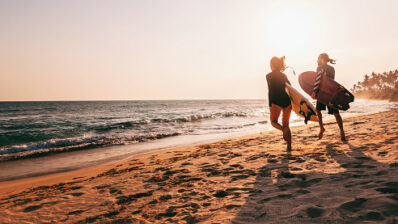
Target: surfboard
pixel 330 93
pixel 301 105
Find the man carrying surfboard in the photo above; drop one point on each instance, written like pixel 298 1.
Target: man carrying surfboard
pixel 278 99
pixel 325 69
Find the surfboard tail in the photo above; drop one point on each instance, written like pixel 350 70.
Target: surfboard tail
pixel 342 99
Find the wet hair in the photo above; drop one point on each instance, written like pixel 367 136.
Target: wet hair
pixel 327 59
pixel 278 63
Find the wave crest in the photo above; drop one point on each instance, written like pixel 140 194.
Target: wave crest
pixel 73 144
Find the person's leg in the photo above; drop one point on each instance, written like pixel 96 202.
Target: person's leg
pixel 340 123
pixel 319 108
pixel 322 129
pixel 275 111
pixel 285 126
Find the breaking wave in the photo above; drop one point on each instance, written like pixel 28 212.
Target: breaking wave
pixel 73 144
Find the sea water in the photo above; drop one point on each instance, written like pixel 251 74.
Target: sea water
pixel 38 128
pixel 38 138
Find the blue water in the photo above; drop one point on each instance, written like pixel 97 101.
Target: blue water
pixel 38 128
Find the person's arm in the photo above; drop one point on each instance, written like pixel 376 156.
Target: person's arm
pixel 269 85
pixel 317 83
pixel 270 90
pixel 287 80
pixel 333 73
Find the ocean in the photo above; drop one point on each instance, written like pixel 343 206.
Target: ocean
pixel 35 129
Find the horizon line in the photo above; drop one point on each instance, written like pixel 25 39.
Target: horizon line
pixel 13 101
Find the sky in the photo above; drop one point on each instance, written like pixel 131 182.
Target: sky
pixel 184 49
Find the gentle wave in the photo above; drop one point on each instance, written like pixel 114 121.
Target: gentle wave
pixel 122 125
pixel 197 117
pixel 73 144
pixel 186 119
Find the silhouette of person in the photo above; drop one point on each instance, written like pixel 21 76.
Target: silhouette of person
pixel 278 98
pixel 325 69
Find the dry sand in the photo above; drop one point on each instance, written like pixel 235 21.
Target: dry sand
pixel 251 179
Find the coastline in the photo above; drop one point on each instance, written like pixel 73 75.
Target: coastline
pixel 48 176
pixel 228 173
pixel 64 161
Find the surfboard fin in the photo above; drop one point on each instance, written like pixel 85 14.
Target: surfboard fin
pixel 307 112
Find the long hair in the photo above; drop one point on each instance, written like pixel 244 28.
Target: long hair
pixel 278 63
pixel 327 59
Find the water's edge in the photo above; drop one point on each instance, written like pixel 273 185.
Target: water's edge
pixel 77 160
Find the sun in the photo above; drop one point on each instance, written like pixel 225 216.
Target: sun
pixel 291 29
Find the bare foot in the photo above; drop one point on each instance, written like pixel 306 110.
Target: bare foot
pixel 289 147
pixel 287 135
pixel 343 138
pixel 321 133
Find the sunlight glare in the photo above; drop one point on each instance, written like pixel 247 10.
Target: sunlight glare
pixel 290 30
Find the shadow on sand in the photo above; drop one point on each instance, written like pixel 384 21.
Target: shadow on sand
pixel 366 191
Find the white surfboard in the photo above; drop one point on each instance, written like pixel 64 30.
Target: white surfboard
pixel 301 105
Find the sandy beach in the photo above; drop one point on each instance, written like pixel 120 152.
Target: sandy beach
pixel 251 179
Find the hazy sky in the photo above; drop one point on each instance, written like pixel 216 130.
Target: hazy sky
pixel 158 49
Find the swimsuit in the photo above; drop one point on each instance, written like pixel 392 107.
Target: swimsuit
pixel 276 89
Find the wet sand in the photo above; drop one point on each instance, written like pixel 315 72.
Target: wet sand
pixel 251 179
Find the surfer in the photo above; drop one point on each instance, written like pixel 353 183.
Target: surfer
pixel 278 98
pixel 325 69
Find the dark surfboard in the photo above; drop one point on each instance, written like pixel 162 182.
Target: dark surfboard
pixel 330 93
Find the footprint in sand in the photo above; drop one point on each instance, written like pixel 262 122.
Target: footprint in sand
pixel 239 177
pixel 32 208
pixel 372 216
pixel 76 194
pixel 132 197
pixel 394 164
pixel 272 160
pixel 229 207
pixel 287 174
pixel 206 204
pixel 154 201
pixel 353 206
pixel 285 196
pixel 136 212
pixel 76 212
pixel 165 197
pixel 111 214
pixel 237 166
pixel 115 191
pixel 390 188
pixel 314 212
pixel 303 192
pixel 382 153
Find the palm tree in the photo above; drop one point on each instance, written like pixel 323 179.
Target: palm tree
pixel 354 88
pixel 365 83
pixel 391 79
pixel 378 85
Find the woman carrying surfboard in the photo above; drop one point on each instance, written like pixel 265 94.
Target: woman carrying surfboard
pixel 278 99
pixel 325 69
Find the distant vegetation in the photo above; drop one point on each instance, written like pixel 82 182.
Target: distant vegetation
pixel 382 86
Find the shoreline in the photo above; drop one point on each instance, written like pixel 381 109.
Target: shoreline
pixel 102 166
pixel 80 159
pixel 120 158
pixel 249 178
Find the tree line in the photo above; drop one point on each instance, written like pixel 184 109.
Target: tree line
pixel 378 86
